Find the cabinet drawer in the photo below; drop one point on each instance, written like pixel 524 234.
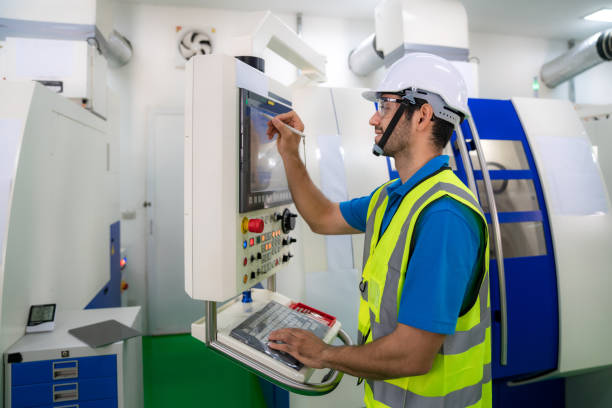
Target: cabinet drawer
pixel 107 403
pixel 36 372
pixel 65 393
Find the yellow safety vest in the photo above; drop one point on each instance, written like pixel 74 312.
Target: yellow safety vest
pixel 461 372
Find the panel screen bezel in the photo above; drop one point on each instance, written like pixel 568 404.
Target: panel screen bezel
pixel 248 200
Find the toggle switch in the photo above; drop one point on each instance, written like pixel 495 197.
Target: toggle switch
pixel 289 240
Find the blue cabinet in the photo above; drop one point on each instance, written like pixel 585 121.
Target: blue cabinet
pixel 83 382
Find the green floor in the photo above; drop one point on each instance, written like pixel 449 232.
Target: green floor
pixel 179 371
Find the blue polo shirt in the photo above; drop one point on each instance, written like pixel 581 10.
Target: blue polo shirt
pixel 442 275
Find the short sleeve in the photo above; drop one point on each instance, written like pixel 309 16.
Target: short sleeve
pixel 446 250
pixel 355 211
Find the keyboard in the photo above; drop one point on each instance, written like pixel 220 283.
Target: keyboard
pixel 255 329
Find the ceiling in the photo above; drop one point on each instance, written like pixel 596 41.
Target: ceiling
pixel 554 19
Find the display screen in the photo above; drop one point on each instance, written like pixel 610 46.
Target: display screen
pixel 263 182
pixel 41 314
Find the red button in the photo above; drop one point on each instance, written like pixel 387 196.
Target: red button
pixel 252 241
pixel 245 261
pixel 256 225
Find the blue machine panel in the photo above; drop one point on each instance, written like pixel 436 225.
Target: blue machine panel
pixel 531 283
pixel 110 294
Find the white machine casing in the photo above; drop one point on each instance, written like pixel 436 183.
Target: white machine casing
pixel 581 237
pixel 59 195
pixel 214 253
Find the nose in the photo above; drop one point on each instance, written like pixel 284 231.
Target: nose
pixel 375 119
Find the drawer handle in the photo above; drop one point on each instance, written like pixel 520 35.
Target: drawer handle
pixel 67 406
pixel 63 370
pixel 65 392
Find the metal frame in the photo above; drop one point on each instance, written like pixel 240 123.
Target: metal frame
pixel 494 223
pixel 329 383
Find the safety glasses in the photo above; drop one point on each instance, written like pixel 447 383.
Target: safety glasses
pixel 384 104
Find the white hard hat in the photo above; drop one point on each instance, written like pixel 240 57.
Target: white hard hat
pixel 426 76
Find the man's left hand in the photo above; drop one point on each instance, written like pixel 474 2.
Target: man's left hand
pixel 301 344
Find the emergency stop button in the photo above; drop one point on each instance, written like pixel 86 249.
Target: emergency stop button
pixel 256 225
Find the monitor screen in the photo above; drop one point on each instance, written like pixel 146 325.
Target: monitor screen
pixel 263 182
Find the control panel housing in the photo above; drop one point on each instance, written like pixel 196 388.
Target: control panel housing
pixel 220 261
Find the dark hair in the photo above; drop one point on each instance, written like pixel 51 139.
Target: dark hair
pixel 442 130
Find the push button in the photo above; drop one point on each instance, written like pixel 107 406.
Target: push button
pixel 256 225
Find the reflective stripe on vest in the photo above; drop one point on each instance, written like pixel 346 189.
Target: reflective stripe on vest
pixel 394 396
pixel 462 364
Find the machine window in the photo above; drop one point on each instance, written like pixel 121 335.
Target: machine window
pixel 501 155
pixel 520 239
pixel 510 195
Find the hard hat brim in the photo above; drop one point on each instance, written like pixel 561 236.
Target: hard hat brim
pixel 369 95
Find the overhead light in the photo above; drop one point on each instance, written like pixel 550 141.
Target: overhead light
pixel 601 15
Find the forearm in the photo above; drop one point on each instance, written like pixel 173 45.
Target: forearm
pixel 312 205
pixel 375 361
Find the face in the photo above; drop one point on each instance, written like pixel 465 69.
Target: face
pixel 398 141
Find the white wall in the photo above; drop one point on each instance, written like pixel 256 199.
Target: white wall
pixel 594 86
pixel 508 64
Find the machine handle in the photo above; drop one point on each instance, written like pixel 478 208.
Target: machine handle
pixel 465 158
pixel 331 380
pixel 497 238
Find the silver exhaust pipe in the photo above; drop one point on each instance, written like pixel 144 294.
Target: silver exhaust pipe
pixel 592 51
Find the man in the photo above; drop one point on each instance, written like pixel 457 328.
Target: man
pixel 424 319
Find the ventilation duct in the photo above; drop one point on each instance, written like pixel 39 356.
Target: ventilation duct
pixel 403 26
pixel 365 58
pixel 592 51
pixel 116 48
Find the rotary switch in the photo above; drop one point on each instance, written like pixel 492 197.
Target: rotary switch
pixel 287 219
pixel 287 257
pixel 289 240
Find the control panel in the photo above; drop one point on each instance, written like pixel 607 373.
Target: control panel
pixel 264 244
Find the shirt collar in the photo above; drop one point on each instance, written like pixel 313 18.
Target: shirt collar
pixel 428 169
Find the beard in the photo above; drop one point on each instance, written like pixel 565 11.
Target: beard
pixel 397 141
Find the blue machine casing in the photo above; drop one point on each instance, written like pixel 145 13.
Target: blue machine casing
pixel 110 294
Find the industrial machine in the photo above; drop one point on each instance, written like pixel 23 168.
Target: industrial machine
pixel 236 190
pixel 59 206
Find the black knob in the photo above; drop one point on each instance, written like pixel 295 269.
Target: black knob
pixel 252 275
pixel 287 257
pixel 289 240
pixel 259 255
pixel 278 216
pixel 288 220
pixel 252 258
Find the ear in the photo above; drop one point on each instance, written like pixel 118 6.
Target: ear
pixel 425 116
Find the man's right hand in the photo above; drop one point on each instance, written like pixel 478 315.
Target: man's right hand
pixel 288 143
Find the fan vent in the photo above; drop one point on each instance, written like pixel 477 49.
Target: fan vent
pixel 194 42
